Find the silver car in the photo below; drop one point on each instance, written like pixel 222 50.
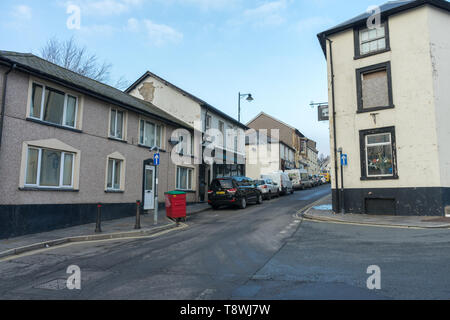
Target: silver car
pixel 268 188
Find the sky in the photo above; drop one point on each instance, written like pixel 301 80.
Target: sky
pixel 210 48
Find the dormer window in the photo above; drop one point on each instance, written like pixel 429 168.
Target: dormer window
pixel 370 41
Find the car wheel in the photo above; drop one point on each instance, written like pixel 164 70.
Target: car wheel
pixel 260 199
pixel 243 204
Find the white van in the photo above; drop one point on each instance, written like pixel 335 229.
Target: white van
pixel 296 178
pixel 282 180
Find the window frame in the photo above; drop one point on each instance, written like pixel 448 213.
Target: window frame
pixel 38 169
pixel 124 129
pixel 41 109
pixel 142 130
pixel 363 153
pixel 113 174
pixel 356 35
pixel 359 90
pixel 178 177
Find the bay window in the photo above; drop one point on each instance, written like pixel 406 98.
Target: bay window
pixel 48 168
pixel 53 106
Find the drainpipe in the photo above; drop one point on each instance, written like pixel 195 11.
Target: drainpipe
pixel 338 202
pixel 2 113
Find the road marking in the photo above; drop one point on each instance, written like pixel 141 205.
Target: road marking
pixel 206 294
pixel 31 253
pixel 369 225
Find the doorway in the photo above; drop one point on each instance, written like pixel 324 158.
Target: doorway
pixel 149 183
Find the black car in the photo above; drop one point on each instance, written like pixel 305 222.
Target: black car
pixel 233 191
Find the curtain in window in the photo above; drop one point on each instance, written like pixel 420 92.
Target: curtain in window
pixel 71 111
pixel 32 166
pixel 50 168
pixel 53 106
pixel 36 101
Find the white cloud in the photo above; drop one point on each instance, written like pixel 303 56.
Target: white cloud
pixel 312 23
pixel 105 7
pixel 157 34
pixel 268 14
pixel 22 12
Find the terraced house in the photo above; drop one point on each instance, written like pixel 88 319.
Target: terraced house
pixel 69 143
pixel 389 96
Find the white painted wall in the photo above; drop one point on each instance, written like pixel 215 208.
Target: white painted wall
pixel 414 114
pixel 439 25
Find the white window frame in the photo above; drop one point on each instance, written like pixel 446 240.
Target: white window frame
pixel 208 122
pixel 38 171
pixel 113 175
pixel 367 145
pixel 178 179
pixel 142 130
pixel 116 111
pixel 66 96
pixel 361 42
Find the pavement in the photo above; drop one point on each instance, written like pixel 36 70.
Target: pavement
pixel 114 229
pixel 322 211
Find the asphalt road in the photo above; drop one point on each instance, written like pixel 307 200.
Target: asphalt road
pixel 263 252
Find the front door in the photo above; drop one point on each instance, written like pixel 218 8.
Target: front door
pixel 149 192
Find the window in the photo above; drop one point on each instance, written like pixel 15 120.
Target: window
pixel 222 131
pixel 208 121
pixel 371 41
pixel 150 134
pixel 184 178
pixel 378 155
pixel 116 126
pixel 374 87
pixel 53 106
pixel 114 174
pixel 48 168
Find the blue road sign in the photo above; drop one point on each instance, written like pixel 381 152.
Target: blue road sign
pixel 344 160
pixel 156 159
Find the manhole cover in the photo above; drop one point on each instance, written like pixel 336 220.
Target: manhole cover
pixel 324 207
pixel 57 284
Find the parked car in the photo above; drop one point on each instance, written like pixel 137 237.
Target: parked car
pixel 233 191
pixel 315 181
pixel 307 182
pixel 323 179
pixel 283 181
pixel 268 188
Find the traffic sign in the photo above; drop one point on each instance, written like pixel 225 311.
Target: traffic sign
pixel 156 159
pixel 344 160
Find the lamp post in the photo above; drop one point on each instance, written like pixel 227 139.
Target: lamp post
pixel 249 99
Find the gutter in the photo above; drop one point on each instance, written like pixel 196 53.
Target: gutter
pixel 3 107
pixel 334 124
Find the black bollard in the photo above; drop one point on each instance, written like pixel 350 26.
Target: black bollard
pixel 98 227
pixel 138 215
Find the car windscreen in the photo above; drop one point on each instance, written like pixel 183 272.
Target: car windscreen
pixel 222 184
pixel 259 182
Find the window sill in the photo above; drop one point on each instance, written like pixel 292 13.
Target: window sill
pixel 114 191
pixel 379 178
pixel 53 125
pixel 48 189
pixel 148 148
pixel 118 140
pixel 374 109
pixel 371 54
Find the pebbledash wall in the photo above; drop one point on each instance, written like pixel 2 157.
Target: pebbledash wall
pixel 24 211
pixel 419 57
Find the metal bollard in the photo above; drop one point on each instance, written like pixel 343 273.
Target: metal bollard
pixel 98 227
pixel 138 215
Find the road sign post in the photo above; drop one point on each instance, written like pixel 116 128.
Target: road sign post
pixel 156 162
pixel 344 163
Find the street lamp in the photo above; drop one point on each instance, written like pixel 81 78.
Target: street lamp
pixel 249 99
